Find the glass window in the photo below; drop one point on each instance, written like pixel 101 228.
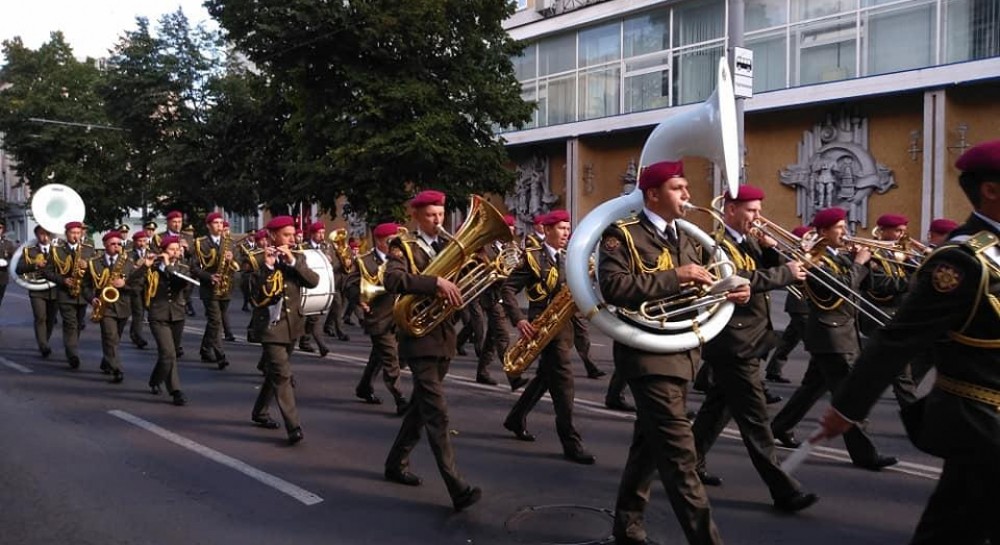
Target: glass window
pixel 599 92
pixel 557 54
pixel 973 29
pixel 697 22
pixel 600 44
pixel 559 95
pixel 811 9
pixel 647 33
pixel 647 91
pixel 769 53
pixel 900 38
pixel 521 4
pixel 694 74
pixel 529 94
pixel 826 50
pixel 525 64
pixel 765 14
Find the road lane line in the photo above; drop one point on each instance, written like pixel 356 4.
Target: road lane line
pixel 300 494
pixel 14 366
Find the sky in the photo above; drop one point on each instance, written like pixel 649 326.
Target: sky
pixel 91 27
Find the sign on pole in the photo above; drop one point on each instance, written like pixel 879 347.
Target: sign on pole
pixel 743 72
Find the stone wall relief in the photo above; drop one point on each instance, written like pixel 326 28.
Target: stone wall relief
pixel 532 192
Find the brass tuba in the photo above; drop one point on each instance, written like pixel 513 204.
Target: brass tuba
pixel 547 325
pixel 460 262
pixel 338 239
pixel 53 206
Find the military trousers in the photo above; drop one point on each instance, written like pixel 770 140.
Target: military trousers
pixel 581 341
pixel 138 315
pixel 384 357
pixel 165 334
pixel 111 327
pixel 71 315
pixel 278 384
pixel 44 312
pixel 211 341
pixel 964 506
pixel 791 338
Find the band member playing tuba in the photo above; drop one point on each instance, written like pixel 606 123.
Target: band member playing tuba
pixel 7 249
pixel 214 264
pixel 642 258
pixel 377 319
pixel 541 274
pixel 734 355
pixel 278 323
pixel 427 356
pixel 44 304
pixel 111 299
pixel 66 268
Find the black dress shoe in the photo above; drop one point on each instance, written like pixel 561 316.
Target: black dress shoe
pixel 245 308
pixel 787 439
pixel 230 338
pixel 329 332
pixel 265 422
pixel 777 379
pixel 519 432
pixel 343 337
pixel 74 362
pixel 190 312
pixel 306 348
pixel 223 363
pixel 368 397
pixel 402 405
pixel 879 463
pixel 46 351
pixel 117 377
pixel 180 351
pixel 486 379
pixel 179 398
pixel 105 367
pixel 466 499
pixel 795 502
pixel 323 351
pixel 517 382
pixel 708 479
pixel 402 477
pixel 461 351
pixel 295 436
pixel 580 456
pixel 619 405
pixel 771 399
pixel 596 373
pixel 155 389
pixel 206 358
pixel 139 343
pixel 348 321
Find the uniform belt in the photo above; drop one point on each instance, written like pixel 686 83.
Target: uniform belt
pixel 968 390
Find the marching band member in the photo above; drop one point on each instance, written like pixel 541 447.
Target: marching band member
pixel 317 241
pixel 140 247
pixel 351 305
pixel 939 230
pixel 496 338
pixel 797 309
pixel 214 263
pixel 44 305
pixel 734 355
pixel 66 268
pixel 429 356
pixel 227 331
pixel 378 323
pixel 541 273
pixel 246 246
pixel 111 270
pixel 7 249
pixel 334 324
pixel 831 339
pixel 165 297
pixel 278 323
pixel 952 312
pixel 640 259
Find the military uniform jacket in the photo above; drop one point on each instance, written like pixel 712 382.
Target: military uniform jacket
pixel 884 286
pixel 378 320
pixel 542 278
pixel 952 308
pixel 7 249
pixel 98 271
pixel 748 329
pixel 206 261
pixel 157 244
pixel 30 263
pixel 636 264
pixel 492 295
pixel 795 304
pixel 62 264
pixel 407 260
pixel 280 289
pixel 832 324
pixel 166 293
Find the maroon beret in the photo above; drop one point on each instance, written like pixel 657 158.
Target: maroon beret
pixel 225 224
pixel 317 226
pixel 747 193
pixel 139 234
pixel 428 197
pixel 74 225
pixel 110 235
pixel 555 217
pixel 353 244
pixel 509 220
pixel 892 220
pixel 212 217
pixel 828 217
pixel 260 235
pixel 983 157
pixel 537 220
pixel 383 230
pixel 655 174
pixel 280 222
pixel 174 214
pixel 801 230
pixel 168 240
pixel 943 226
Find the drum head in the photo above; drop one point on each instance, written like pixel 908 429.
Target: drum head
pixel 318 300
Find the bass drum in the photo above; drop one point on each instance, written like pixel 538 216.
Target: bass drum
pixel 317 300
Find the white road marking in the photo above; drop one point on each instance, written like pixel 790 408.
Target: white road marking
pixel 14 366
pixel 300 494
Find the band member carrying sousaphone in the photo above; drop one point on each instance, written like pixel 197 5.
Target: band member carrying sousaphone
pixel 66 268
pixel 44 302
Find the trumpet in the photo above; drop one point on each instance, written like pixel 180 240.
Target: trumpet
pixel 891 251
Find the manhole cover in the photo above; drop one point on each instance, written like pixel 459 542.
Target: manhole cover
pixel 561 525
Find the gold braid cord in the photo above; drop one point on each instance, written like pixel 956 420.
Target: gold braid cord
pixel 62 267
pixel 833 301
pixel 152 283
pixel 274 286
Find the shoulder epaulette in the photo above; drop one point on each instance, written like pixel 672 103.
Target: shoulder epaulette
pixel 627 221
pixel 981 241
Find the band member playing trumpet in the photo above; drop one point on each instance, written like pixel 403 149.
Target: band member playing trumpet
pixel 278 323
pixel 214 264
pixel 44 304
pixel 734 355
pixel 317 241
pixel 66 268
pixel 541 274
pixel 429 356
pixel 640 259
pixel 140 248
pixel 952 312
pixel 7 249
pixel 111 299
pixel 165 298
pixel 831 337
pixel 377 320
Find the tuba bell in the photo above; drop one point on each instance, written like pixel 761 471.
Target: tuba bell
pixel 52 206
pixel 708 130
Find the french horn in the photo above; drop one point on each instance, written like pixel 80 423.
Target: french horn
pixel 708 130
pixel 53 206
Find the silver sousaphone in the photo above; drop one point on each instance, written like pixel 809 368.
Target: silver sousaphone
pixel 53 206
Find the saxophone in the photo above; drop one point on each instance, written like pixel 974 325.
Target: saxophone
pixel 78 273
pixel 226 268
pixel 108 294
pixel 547 324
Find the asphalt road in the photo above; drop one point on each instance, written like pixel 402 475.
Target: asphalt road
pixel 85 461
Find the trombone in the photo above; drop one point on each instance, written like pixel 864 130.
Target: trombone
pixel 897 252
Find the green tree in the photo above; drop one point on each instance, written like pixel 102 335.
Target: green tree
pixel 387 96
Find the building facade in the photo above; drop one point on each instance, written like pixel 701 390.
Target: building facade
pixel 863 104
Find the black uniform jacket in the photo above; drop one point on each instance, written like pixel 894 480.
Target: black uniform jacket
pixel 832 324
